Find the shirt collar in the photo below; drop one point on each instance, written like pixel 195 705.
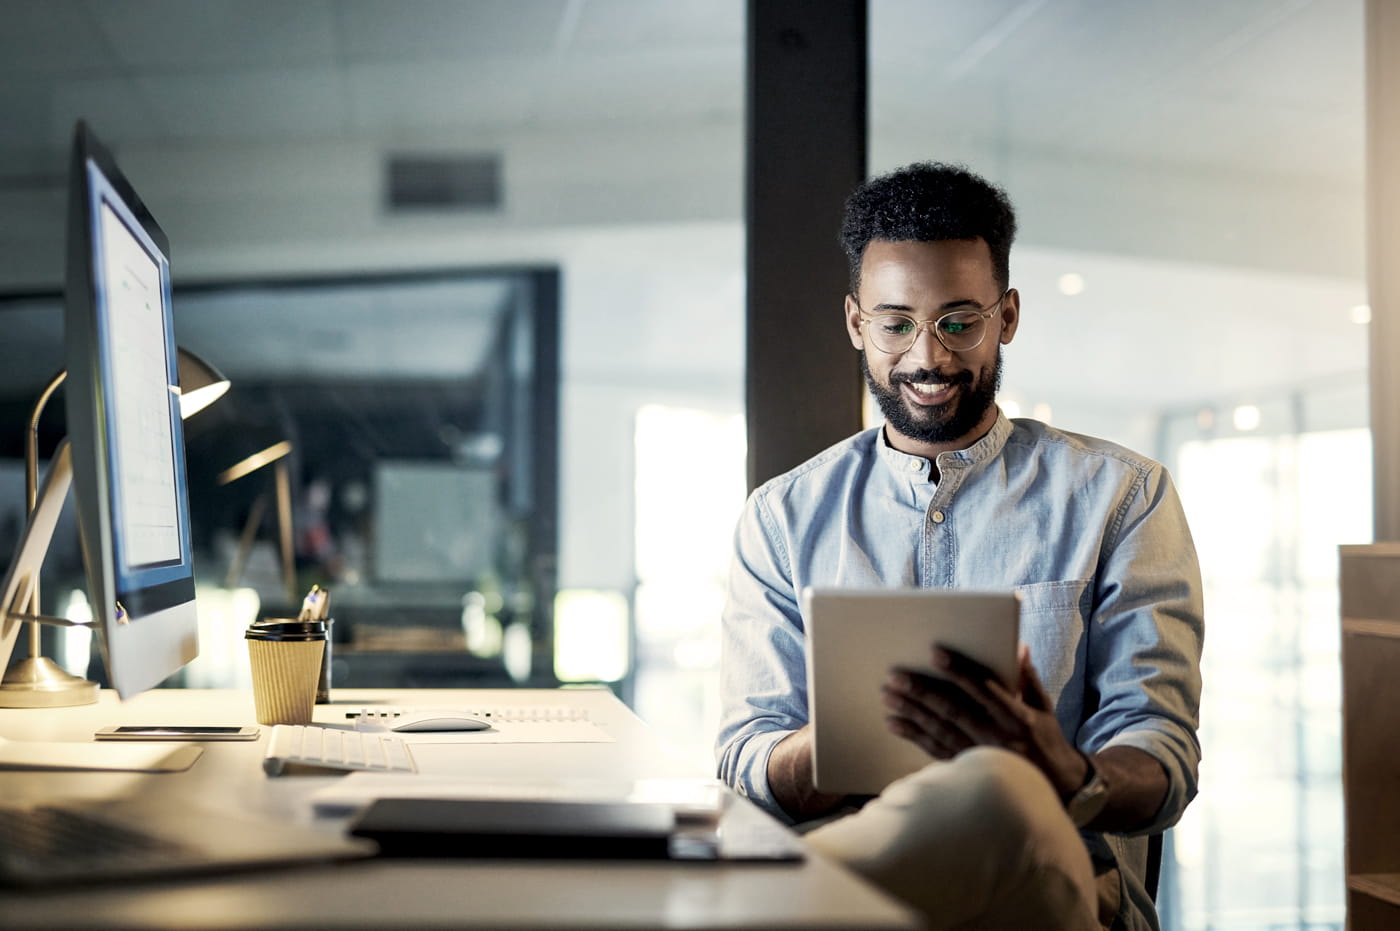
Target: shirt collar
pixel 988 447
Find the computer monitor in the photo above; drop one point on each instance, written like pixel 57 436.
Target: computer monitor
pixel 127 443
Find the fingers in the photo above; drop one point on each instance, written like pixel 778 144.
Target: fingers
pixel 1032 691
pixel 941 745
pixel 961 704
pixel 981 686
pixel 927 713
pixel 964 704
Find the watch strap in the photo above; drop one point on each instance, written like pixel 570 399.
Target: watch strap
pixel 1086 803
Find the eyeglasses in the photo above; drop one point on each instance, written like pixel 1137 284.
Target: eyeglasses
pixel 959 331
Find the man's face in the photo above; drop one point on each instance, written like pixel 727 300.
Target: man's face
pixel 933 398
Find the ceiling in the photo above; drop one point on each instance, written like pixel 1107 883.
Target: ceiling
pixel 1245 86
pixel 267 70
pixel 1192 131
pixel 1234 87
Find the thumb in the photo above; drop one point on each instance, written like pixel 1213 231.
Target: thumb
pixel 1032 692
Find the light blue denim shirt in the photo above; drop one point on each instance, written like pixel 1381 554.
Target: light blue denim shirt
pixel 1091 534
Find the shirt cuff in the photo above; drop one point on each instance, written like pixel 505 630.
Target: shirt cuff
pixel 1180 768
pixel 753 775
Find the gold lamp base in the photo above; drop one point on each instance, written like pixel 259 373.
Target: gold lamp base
pixel 39 682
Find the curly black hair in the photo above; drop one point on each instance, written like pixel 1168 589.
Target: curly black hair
pixel 929 202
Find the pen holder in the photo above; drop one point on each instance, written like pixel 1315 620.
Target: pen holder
pixel 286 658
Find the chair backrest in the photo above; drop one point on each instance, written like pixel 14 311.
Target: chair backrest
pixel 1154 864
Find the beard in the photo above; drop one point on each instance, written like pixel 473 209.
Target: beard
pixel 939 423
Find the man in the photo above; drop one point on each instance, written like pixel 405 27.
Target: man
pixel 1034 810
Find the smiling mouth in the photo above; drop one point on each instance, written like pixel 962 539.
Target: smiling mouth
pixel 928 396
pixel 928 389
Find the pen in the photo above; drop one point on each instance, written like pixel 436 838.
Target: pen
pixel 310 605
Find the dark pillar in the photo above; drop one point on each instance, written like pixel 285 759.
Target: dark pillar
pixel 806 145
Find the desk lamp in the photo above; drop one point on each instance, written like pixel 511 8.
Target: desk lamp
pixel 200 383
pixel 256 446
pixel 39 682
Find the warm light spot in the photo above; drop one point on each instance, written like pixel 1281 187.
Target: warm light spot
pixel 590 635
pixel 1361 314
pixel 1071 283
pixel 1246 417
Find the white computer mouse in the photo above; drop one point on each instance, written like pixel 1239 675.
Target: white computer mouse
pixel 442 721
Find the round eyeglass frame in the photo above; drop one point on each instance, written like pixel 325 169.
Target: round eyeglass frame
pixel 932 326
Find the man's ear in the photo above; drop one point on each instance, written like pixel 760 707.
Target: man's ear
pixel 853 322
pixel 1010 315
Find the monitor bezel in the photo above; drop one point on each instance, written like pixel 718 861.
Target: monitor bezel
pixel 157 632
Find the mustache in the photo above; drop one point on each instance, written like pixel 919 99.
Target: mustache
pixel 932 376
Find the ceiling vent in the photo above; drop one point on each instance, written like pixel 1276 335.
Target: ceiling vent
pixel 443 182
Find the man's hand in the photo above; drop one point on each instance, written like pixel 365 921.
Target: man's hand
pixel 965 706
pixel 790 777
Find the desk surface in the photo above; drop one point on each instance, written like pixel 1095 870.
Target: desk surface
pixel 380 894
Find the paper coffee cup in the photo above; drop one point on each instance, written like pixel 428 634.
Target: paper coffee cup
pixel 286 665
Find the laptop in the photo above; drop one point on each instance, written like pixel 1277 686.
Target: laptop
pixel 90 840
pixel 856 636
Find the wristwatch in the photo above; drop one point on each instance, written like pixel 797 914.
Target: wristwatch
pixel 1084 805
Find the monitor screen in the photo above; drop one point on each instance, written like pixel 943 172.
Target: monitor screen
pixel 144 482
pixel 124 425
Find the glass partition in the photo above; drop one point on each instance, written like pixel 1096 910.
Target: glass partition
pixel 391 439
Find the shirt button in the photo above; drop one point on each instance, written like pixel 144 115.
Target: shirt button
pixel 915 465
pixel 937 517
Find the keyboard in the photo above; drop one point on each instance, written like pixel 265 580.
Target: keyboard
pixel 61 844
pixel 305 748
pixel 370 716
pixel 71 840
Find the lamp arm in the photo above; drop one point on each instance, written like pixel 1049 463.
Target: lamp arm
pixel 31 484
pixel 31 446
pixel 22 579
pixel 47 620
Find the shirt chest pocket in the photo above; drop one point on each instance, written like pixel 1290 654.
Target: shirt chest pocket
pixel 1054 624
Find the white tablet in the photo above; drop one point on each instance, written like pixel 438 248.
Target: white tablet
pixel 854 638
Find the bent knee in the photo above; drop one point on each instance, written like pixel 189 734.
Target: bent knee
pixel 996 788
pixel 1013 796
pixel 1005 775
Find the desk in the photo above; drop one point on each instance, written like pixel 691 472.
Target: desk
pixel 380 894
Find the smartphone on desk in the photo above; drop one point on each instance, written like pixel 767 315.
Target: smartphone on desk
pixel 176 732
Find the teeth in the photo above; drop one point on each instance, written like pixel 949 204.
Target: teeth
pixel 926 388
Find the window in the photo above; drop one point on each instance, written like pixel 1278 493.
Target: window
pixel 1190 262
pixel 687 506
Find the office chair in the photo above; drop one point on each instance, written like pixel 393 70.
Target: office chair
pixel 1154 864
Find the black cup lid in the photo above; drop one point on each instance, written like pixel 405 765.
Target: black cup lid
pixel 286 629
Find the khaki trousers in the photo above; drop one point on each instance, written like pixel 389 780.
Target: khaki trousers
pixel 980 841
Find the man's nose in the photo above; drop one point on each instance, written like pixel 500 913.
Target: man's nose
pixel 927 351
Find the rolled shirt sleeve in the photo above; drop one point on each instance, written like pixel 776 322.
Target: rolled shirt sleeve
pixel 762 670
pixel 1145 639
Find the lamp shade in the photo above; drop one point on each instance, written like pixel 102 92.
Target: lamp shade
pixel 200 383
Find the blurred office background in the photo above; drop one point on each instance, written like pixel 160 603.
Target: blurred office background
pixel 482 263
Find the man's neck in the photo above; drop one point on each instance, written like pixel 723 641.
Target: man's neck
pixel 931 451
